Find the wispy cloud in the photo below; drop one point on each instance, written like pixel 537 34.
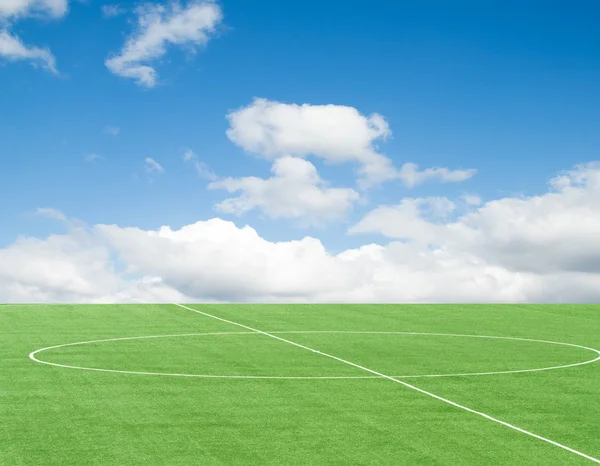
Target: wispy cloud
pixel 411 176
pixel 23 8
pixel 93 157
pixel 160 26
pixel 112 130
pixel 152 167
pixel 202 168
pixel 110 11
pixel 52 214
pixel 12 49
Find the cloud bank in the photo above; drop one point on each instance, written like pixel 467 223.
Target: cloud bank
pixel 543 248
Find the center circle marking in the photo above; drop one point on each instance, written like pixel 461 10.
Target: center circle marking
pixel 33 355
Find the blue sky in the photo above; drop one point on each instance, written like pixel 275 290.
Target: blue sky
pixel 507 88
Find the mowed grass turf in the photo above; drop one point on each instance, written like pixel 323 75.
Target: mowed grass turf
pixel 58 416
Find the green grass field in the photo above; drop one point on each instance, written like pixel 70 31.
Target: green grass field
pixel 206 391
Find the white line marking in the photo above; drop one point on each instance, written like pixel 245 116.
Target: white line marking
pixel 66 366
pixel 407 385
pixel 33 357
pixel 469 336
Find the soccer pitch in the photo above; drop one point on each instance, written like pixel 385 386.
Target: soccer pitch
pixel 299 384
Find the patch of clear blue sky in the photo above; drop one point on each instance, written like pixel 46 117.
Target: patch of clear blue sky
pixel 507 87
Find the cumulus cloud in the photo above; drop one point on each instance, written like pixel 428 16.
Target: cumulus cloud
pixel 418 219
pixel 335 133
pixel 551 233
pixel 295 191
pixel 161 26
pixel 13 49
pixel 202 168
pixel 471 199
pixel 73 267
pixel 543 248
pixel 244 266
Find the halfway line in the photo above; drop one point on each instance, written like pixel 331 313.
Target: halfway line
pixel 433 395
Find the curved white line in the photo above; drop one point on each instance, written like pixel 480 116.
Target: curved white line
pixel 66 366
pixel 474 336
pixel 400 382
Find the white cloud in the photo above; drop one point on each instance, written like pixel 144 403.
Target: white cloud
pixel 555 232
pixel 110 11
pixel 12 49
pixel 417 219
pixel 202 168
pixel 22 8
pixel 160 26
pixel 541 248
pixel 91 158
pixel 471 199
pixel 295 191
pixel 410 175
pixel 112 130
pixel 335 133
pixel 243 265
pixel 52 214
pixel 152 167
pixel 74 267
